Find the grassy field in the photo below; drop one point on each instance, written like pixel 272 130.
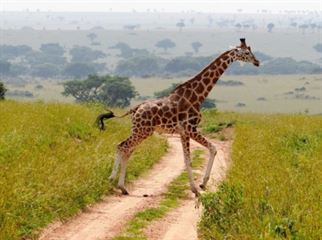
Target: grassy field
pixel 54 162
pixel 273 190
pixel 272 88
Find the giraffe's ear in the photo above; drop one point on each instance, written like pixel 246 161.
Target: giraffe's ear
pixel 243 43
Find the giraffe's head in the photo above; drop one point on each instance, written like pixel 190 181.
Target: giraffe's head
pixel 243 53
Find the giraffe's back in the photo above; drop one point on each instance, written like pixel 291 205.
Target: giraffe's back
pixel 164 115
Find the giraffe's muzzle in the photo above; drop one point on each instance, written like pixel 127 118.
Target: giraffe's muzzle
pixel 256 63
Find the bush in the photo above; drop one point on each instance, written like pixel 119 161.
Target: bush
pixel 2 91
pixel 221 210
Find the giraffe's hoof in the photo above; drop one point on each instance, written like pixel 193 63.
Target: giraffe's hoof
pixel 197 194
pixel 124 191
pixel 111 178
pixel 202 186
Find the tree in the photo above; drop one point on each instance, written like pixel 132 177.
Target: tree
pixel 85 54
pixel 180 25
pixel 208 102
pixel 52 49
pixel 238 26
pixel 270 27
pixel 165 44
pixel 78 70
pixel 113 91
pixel 2 91
pixel 127 51
pixel 92 36
pixel 196 46
pixel 318 47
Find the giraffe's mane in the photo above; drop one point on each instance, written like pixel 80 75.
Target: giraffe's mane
pixel 201 72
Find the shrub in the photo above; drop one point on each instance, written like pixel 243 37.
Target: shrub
pixel 2 91
pixel 222 209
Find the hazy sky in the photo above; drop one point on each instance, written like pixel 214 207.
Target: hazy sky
pixel 160 5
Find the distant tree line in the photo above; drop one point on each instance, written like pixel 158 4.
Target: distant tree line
pixel 145 66
pixel 53 61
pixel 50 61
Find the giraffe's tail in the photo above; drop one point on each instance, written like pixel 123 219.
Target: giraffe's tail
pixel 100 119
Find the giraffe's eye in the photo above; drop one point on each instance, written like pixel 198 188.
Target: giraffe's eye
pixel 247 53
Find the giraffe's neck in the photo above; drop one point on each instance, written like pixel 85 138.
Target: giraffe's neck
pixel 197 89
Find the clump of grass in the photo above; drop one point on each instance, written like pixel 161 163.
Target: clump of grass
pixel 216 127
pixel 222 209
pixel 54 162
pixel 277 169
pixel 176 191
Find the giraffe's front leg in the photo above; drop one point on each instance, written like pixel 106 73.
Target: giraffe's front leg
pixel 186 152
pixel 212 153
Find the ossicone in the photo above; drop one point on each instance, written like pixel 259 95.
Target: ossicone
pixel 243 42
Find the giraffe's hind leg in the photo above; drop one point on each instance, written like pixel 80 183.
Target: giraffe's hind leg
pixel 124 151
pixel 212 153
pixel 115 167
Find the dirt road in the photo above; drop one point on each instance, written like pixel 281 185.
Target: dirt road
pixel 181 223
pixel 108 217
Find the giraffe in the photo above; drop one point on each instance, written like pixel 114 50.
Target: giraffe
pixel 178 113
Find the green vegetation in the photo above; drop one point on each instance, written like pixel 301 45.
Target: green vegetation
pixel 54 162
pixel 177 191
pixel 273 190
pixel 2 91
pixel 113 91
pixel 165 44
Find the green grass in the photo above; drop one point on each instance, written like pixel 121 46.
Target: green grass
pixel 54 162
pixel 177 190
pixel 273 190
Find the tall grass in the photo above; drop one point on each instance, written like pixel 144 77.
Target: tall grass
pixel 53 162
pixel 273 190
